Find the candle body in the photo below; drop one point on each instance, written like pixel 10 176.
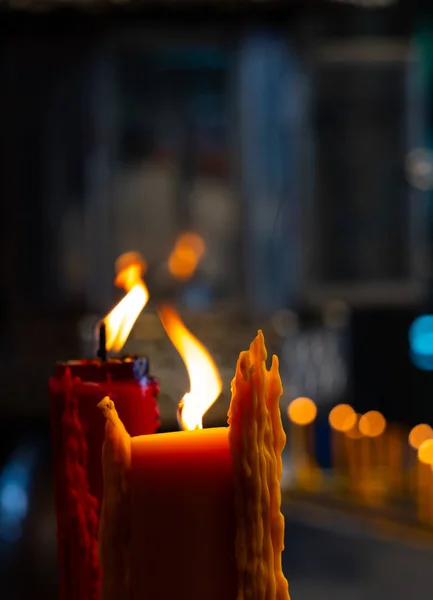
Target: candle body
pixel 78 434
pixel 197 514
pixel 183 516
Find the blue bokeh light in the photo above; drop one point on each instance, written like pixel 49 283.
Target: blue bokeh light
pixel 15 479
pixel 421 342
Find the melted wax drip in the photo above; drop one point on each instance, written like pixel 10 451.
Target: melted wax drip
pixel 78 546
pixel 114 531
pixel 256 440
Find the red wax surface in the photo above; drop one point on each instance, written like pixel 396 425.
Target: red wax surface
pixel 78 430
pixel 136 404
pixel 183 517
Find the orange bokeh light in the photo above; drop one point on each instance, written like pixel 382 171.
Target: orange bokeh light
pixel 425 452
pixel 419 434
pixel 372 424
pixel 354 433
pixel 186 255
pixel 342 417
pixel 302 411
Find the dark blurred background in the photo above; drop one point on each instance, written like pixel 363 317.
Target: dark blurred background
pixel 297 139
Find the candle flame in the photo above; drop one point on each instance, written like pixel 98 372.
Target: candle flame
pixel 186 255
pixel 121 319
pixel 205 381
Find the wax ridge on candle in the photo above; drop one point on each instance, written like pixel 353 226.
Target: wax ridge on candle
pixel 114 523
pixel 256 439
pixel 79 520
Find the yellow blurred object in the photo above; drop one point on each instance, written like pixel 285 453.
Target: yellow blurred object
pixel 419 434
pixel 342 417
pixel 302 411
pixel 395 439
pixel 425 452
pixel 372 424
pixel 352 439
pixel 186 255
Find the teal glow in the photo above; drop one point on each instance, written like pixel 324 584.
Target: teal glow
pixel 421 342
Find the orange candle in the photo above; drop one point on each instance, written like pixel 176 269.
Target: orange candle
pixel 302 413
pixel 191 508
pixel 354 458
pixel 196 514
pixel 372 426
pixel 342 419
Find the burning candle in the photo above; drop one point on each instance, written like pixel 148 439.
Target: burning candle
pixel 78 435
pixel 196 513
pixel 302 413
pixel 352 439
pixel 395 438
pixel 372 426
pixel 342 419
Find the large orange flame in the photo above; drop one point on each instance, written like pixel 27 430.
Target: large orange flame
pixel 205 381
pixel 121 319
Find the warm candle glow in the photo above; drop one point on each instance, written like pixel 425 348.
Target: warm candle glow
pixel 342 417
pixel 425 452
pixel 302 411
pixel 354 433
pixel 205 382
pixel 186 255
pixel 419 434
pixel 121 319
pixel 372 424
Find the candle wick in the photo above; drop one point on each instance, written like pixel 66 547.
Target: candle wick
pixel 102 346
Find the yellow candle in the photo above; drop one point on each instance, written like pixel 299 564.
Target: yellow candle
pixel 352 442
pixel 424 474
pixel 372 425
pixel 395 439
pixel 342 419
pixel 418 435
pixel 302 412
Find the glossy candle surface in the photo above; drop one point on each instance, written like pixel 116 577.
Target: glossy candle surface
pixel 92 380
pixel 183 516
pixel 78 434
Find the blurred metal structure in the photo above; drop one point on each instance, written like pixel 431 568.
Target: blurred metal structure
pixel 367 228
pixel 271 100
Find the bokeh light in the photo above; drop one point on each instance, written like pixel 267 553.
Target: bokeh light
pixel 342 417
pixel 302 411
pixel 419 434
pixel 372 424
pixel 421 342
pixel 425 452
pixel 354 433
pixel 187 253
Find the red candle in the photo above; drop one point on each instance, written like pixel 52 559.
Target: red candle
pixel 196 514
pixel 78 433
